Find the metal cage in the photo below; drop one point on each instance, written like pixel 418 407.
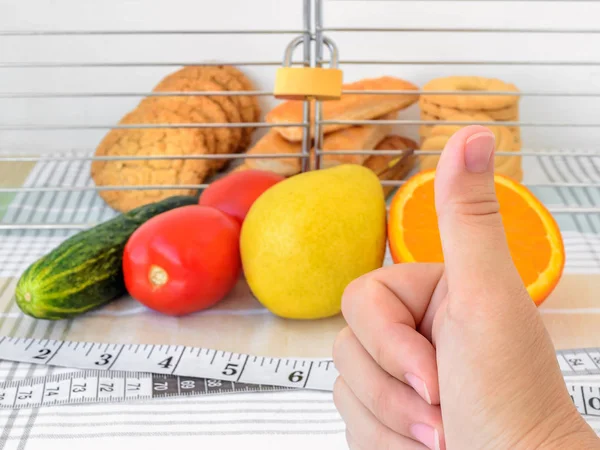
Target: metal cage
pixel 66 198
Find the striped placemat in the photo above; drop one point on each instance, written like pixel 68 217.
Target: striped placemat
pixel 291 420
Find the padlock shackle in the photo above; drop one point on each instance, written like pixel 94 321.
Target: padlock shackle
pixel 289 50
pixel 333 51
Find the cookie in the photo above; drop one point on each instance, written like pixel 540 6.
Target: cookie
pixel 504 165
pixel 149 142
pixel 230 137
pixel 198 109
pixel 247 85
pixel 249 107
pixel 232 110
pixel 424 129
pixel 471 102
pixel 228 77
pixel 187 81
pixel 388 167
pixel 504 137
pixel 506 115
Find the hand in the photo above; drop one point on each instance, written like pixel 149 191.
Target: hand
pixel 464 335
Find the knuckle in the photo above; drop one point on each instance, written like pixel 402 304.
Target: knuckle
pixel 385 353
pixel 338 391
pixel 480 207
pixel 478 200
pixel 348 438
pixel 380 402
pixel 350 295
pixel 380 437
pixel 357 291
pixel 483 213
pixel 338 344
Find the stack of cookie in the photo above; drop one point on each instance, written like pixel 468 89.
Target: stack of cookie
pixel 471 108
pixel 174 110
pixel 341 137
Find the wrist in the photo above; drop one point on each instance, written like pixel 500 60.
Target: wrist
pixel 567 430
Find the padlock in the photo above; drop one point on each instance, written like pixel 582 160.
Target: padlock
pixel 308 83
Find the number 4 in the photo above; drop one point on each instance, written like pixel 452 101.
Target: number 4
pixel 165 364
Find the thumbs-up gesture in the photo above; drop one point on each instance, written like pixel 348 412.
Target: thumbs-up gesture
pixel 454 356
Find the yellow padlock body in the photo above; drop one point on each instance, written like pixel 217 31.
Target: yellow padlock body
pixel 300 83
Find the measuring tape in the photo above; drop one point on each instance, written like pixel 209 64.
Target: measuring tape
pixel 118 372
pixel 314 374
pixel 95 386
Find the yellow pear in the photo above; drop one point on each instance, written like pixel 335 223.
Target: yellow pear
pixel 307 237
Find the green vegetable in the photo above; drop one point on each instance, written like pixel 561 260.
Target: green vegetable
pixel 85 271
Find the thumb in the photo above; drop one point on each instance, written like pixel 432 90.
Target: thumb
pixel 508 387
pixel 476 253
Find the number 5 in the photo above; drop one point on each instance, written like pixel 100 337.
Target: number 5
pixel 230 369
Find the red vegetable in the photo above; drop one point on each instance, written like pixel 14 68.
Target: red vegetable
pixel 184 260
pixel 235 193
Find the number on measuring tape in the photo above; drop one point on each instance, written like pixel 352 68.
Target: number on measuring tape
pixel 105 359
pixel 170 360
pixel 188 384
pixel 220 370
pixel 230 369
pixel 579 362
pixel 162 359
pixel 43 354
pixel 213 364
pixel 586 398
pixel 86 355
pixel 29 350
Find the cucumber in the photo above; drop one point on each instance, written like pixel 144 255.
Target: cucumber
pixel 85 271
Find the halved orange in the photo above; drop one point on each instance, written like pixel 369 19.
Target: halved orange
pixel 534 239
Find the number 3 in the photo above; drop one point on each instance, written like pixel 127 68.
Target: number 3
pixel 104 359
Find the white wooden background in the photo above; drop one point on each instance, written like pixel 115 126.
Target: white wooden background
pixel 287 14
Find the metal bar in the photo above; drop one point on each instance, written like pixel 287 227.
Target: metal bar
pixel 523 153
pixel 577 199
pixel 463 30
pixel 470 63
pixel 306 17
pixel 503 1
pixel 104 188
pixel 82 226
pixel 139 32
pixel 478 93
pixel 570 211
pixel 269 93
pixel 132 94
pixel 150 158
pixel 26 127
pixel 29 127
pixel 536 154
pixel 531 185
pixel 533 153
pixel 318 129
pixel 448 122
pixel 38 65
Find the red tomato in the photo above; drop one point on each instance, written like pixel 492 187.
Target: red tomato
pixel 235 193
pixel 184 260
